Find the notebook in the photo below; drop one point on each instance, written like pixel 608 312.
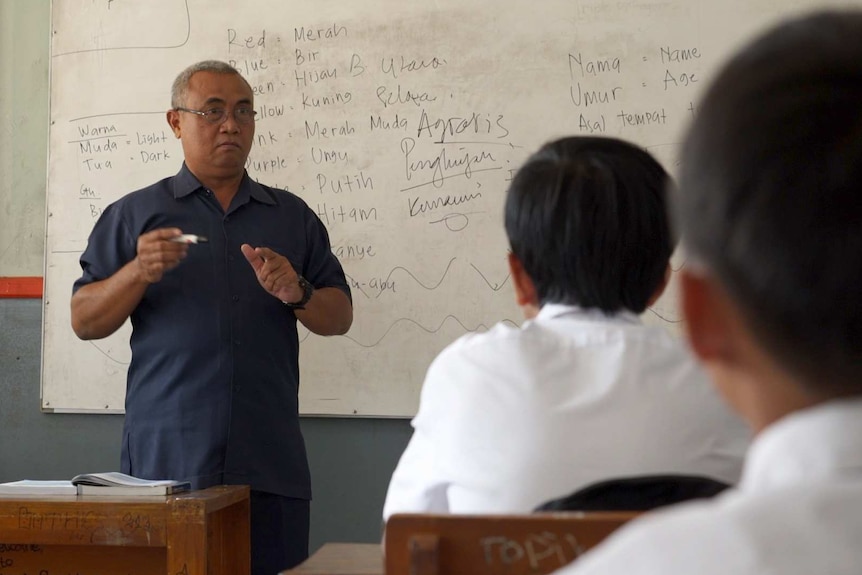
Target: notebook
pixel 38 487
pixel 115 483
pixel 108 483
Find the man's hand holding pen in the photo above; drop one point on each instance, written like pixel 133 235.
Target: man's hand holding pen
pixel 158 252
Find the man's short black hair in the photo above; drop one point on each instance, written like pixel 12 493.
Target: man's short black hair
pixel 586 217
pixel 770 195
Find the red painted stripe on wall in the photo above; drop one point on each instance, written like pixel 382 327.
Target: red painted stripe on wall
pixel 21 287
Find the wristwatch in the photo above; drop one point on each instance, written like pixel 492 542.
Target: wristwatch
pixel 307 290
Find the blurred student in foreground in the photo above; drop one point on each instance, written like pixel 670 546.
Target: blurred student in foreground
pixel 770 205
pixel 583 391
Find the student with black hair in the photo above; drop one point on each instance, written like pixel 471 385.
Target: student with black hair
pixel 770 205
pixel 583 391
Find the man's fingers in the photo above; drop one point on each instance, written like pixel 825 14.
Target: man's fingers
pixel 266 253
pixel 274 271
pixel 276 279
pixel 252 257
pixel 156 254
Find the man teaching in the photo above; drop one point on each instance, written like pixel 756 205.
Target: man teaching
pixel 211 394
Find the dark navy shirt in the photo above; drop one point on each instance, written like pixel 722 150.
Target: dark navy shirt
pixel 211 395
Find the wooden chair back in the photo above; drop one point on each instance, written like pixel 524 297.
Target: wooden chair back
pixel 535 544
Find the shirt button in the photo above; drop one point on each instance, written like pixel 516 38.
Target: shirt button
pixel 235 298
pixel 236 342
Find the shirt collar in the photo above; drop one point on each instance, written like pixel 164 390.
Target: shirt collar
pixel 816 443
pixel 186 183
pixel 556 310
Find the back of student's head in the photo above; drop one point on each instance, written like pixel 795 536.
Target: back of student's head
pixel 770 195
pixel 587 219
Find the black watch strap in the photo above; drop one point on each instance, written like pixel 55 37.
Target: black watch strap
pixel 307 291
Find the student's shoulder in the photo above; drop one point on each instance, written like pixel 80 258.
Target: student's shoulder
pixel 663 348
pixel 499 335
pixel 689 538
pixel 799 529
pixel 472 357
pixel 462 374
pixel 661 337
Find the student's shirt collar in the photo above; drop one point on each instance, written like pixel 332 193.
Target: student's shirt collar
pixel 558 310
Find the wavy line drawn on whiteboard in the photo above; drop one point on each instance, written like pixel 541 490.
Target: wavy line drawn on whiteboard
pixel 417 280
pixel 185 40
pixel 664 318
pixel 496 286
pixel 108 355
pixel 355 284
pixel 358 285
pixel 406 320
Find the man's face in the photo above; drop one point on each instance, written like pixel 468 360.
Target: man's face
pixel 220 149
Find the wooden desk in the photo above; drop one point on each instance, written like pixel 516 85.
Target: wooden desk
pixel 197 533
pixel 342 559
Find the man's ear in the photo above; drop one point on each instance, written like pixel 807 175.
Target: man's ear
pixel 525 289
pixel 709 318
pixel 173 118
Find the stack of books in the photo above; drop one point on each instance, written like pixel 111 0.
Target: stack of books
pixel 113 483
pixel 108 483
pixel 38 487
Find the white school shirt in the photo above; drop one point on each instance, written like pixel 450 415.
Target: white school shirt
pixel 797 511
pixel 514 417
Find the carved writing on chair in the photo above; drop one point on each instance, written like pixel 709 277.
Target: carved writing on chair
pixel 537 549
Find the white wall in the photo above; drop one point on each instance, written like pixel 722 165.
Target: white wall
pixel 24 42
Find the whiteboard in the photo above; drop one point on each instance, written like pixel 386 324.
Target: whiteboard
pixel 399 122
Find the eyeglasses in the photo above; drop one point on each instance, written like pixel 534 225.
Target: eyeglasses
pixel 242 114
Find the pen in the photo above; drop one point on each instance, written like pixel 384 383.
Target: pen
pixel 190 239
